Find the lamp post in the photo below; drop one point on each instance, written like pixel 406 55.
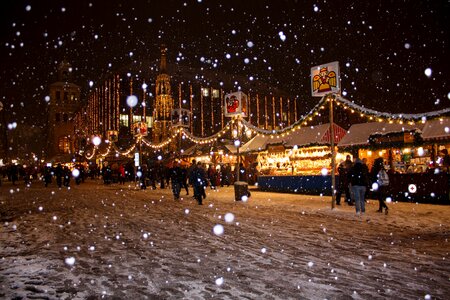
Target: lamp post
pixel 240 187
pixel 96 141
pixel 144 90
pixel 132 101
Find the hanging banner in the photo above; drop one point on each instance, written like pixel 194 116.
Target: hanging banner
pixel 181 117
pixel 325 79
pixel 235 104
pixel 140 129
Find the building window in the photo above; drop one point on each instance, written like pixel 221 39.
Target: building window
pixel 205 92
pixel 58 95
pixel 215 93
pixel 66 96
pixel 65 118
pixel 123 120
pixel 64 144
pixel 57 118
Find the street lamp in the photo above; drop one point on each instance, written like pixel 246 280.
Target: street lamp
pixel 144 90
pixel 132 101
pixel 240 187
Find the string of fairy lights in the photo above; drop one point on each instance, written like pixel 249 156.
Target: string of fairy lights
pixel 252 130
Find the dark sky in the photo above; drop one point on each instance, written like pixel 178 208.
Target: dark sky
pixel 384 47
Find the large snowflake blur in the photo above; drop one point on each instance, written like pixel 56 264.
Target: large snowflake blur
pixel 393 55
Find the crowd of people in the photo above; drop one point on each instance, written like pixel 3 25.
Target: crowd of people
pixel 177 175
pixel 355 180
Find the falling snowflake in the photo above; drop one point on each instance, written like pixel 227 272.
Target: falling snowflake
pixel 218 229
pixel 229 217
pixel 219 281
pixel 70 261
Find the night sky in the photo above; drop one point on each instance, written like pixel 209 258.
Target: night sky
pixel 393 55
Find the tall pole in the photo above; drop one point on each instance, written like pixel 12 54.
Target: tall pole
pixel 238 158
pixel 333 154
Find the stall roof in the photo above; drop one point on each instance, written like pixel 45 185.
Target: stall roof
pixel 311 135
pixel 206 149
pixel 257 143
pixel 318 135
pixel 359 134
pixel 438 129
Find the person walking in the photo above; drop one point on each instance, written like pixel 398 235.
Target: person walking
pixel 67 174
pixel 198 180
pixel 184 179
pixel 121 173
pixel 59 173
pixel 359 178
pixel 380 183
pixel 47 176
pixel 176 179
pixel 343 186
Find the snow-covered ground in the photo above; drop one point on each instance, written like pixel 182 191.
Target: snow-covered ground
pixel 115 242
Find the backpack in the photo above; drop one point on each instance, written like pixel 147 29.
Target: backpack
pixel 383 178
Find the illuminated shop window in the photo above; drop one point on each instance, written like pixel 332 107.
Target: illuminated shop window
pixel 64 144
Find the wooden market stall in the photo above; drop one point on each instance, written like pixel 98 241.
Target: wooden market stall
pixel 298 162
pixel 408 154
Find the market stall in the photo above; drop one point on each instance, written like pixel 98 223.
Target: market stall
pixel 297 162
pixel 396 143
pixel 408 155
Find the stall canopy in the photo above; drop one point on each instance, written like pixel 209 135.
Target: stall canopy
pixel 207 149
pixel 305 136
pixel 256 144
pixel 358 134
pixel 438 129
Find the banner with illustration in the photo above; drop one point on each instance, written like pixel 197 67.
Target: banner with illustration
pixel 325 79
pixel 140 129
pixel 235 104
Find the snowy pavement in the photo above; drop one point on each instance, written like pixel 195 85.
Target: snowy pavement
pixel 116 242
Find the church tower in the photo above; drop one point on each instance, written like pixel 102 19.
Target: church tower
pixel 163 102
pixel 64 102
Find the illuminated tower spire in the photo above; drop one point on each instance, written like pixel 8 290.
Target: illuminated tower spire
pixel 163 102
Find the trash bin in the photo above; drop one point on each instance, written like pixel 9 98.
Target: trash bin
pixel 240 190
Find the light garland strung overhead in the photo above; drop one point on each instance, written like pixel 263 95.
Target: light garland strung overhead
pixel 381 116
pixel 371 114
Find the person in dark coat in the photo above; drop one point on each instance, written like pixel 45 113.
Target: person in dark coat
pixel 47 176
pixel 184 179
pixel 380 186
pixel 198 180
pixel 67 174
pixel 59 173
pixel 176 178
pixel 343 186
pixel 14 173
pixel 359 179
